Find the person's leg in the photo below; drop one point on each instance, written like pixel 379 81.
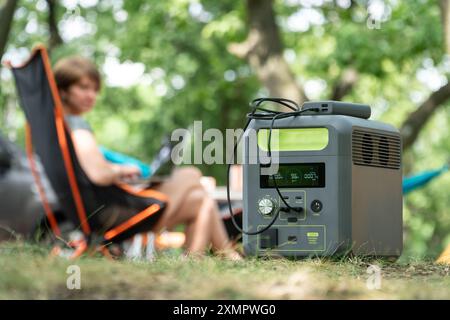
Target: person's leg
pixel 219 237
pixel 177 187
pixel 190 204
pixel 204 225
pixel 195 213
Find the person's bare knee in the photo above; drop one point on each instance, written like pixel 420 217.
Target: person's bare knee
pixel 195 199
pixel 182 181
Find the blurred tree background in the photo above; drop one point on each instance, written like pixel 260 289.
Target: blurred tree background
pixel 168 63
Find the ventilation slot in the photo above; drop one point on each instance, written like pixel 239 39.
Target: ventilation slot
pixel 376 149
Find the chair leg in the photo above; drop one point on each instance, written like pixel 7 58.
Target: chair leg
pixel 76 248
pixel 136 246
pixel 150 246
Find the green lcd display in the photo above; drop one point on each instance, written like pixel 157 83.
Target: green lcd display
pixel 296 175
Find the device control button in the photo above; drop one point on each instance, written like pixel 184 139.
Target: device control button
pixel 316 206
pixel 266 206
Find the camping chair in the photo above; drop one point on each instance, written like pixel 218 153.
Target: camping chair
pixel 105 214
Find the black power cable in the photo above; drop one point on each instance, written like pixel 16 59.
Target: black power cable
pixel 273 115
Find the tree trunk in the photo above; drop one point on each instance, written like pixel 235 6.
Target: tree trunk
pixel 263 49
pixel 416 120
pixel 345 85
pixel 411 127
pixel 55 38
pixel 6 18
pixel 445 16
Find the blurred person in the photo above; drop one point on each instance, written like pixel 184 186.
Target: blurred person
pixel 79 83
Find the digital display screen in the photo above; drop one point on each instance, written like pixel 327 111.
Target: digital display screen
pixel 296 175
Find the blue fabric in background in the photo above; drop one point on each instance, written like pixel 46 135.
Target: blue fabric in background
pixel 119 158
pixel 419 180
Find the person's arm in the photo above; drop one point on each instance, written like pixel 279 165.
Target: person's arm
pixel 96 167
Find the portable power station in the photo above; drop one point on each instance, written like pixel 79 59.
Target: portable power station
pixel 337 189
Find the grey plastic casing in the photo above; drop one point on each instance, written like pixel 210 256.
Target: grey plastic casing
pixel 338 108
pixel 362 204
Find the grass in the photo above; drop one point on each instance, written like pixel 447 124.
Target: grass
pixel 27 272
